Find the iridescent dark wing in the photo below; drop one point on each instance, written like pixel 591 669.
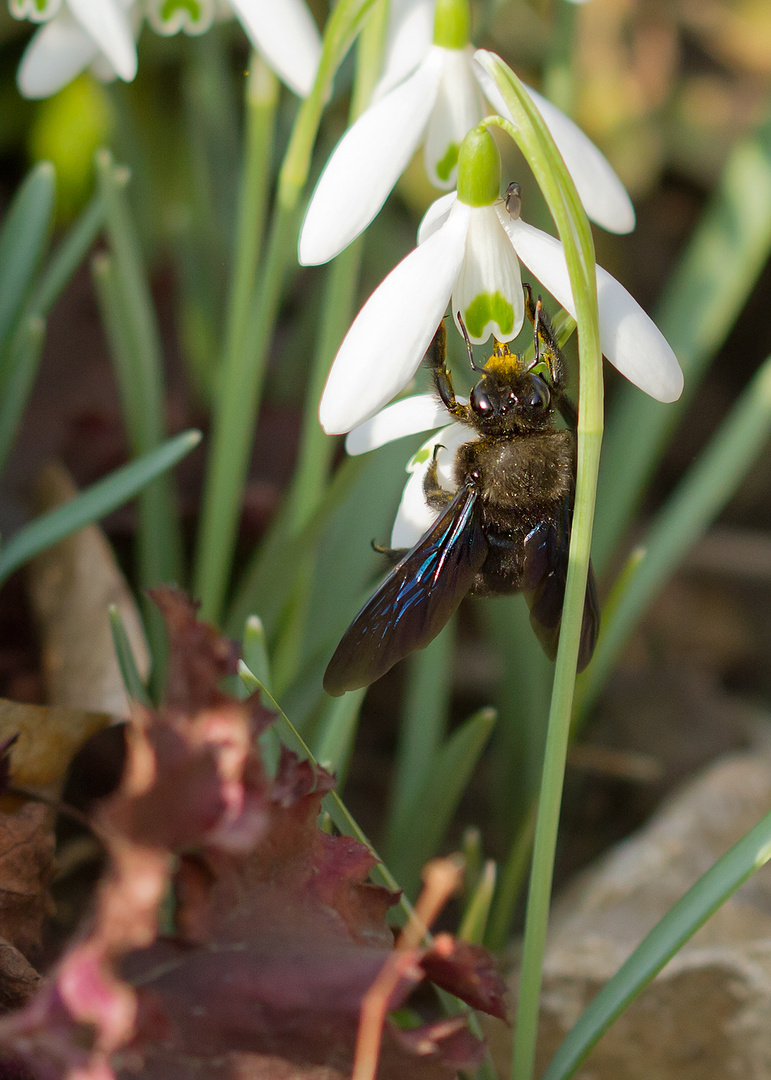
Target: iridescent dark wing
pixel 543 585
pixel 415 600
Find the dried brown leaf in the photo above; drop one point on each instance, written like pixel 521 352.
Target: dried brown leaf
pixel 48 738
pixel 26 869
pixel 280 934
pixel 72 586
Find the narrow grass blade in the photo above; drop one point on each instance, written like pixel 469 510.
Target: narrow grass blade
pixel 434 805
pixel 68 256
pixel 421 730
pixel 332 803
pixel 23 241
pixel 93 503
pixel 475 917
pixel 136 349
pixel 702 301
pixel 255 650
pixel 695 504
pixel 132 680
pixel 336 732
pixel 21 366
pixel 660 945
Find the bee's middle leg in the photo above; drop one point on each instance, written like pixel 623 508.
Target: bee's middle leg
pixel 433 492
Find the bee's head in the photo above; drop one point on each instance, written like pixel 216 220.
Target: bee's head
pixel 508 398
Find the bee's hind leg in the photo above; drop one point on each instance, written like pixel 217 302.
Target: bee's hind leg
pixel 394 555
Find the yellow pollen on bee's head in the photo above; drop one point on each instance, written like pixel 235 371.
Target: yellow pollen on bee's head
pixel 503 363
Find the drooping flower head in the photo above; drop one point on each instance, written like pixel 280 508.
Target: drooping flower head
pixel 433 92
pixel 75 35
pixel 470 244
pixel 283 32
pixel 100 35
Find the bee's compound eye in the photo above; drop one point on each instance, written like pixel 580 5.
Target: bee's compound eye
pixel 540 397
pixel 480 402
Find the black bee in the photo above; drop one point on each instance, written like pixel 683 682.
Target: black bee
pixel 504 530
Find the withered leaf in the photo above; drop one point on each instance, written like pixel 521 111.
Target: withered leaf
pixel 279 933
pixel 26 869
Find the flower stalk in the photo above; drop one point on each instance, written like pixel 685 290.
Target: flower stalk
pixel 240 390
pixel 536 143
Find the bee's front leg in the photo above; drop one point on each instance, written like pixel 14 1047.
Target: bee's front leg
pixel 437 363
pixel 547 348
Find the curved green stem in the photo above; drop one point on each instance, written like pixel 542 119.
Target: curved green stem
pixel 533 138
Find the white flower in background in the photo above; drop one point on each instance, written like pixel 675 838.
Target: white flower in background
pixel 283 32
pixel 440 96
pixel 100 34
pixel 469 248
pixel 75 35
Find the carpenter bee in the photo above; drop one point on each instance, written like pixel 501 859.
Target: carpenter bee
pixel 506 527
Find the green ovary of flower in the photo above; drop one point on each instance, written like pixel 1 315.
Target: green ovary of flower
pixel 479 169
pixel 449 161
pixel 169 7
pixel 452 24
pixel 486 308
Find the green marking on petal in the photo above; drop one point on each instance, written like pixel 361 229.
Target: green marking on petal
pixel 449 161
pixel 170 16
pixel 422 455
pixel 170 8
pixel 35 10
pixel 486 308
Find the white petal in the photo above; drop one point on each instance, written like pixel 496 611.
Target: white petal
pixel 489 285
pixel 414 516
pixel 458 109
pixel 630 339
pixel 408 39
pixel 366 164
pixel 421 412
pixel 285 34
pixel 57 53
pixel 389 337
pixel 436 215
pixel 108 24
pixel 604 196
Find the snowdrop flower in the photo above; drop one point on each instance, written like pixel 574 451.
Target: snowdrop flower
pixel 283 32
pixel 469 247
pixel 75 34
pixel 437 103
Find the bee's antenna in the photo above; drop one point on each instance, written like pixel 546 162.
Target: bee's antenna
pixel 469 350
